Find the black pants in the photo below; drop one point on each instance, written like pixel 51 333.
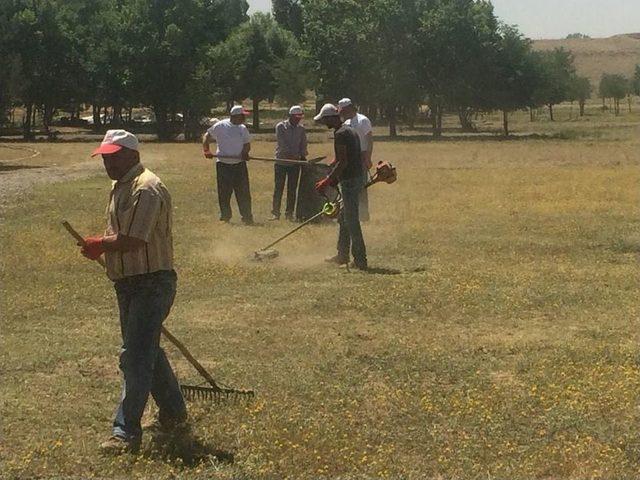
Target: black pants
pixel 234 178
pixel 290 174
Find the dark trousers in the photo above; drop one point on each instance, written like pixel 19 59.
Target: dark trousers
pixel 309 202
pixel 350 236
pixel 144 302
pixel 364 198
pixel 290 174
pixel 234 178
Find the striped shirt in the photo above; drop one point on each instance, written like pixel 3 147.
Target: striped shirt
pixel 140 207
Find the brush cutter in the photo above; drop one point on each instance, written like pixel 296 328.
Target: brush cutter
pixel 385 173
pixel 214 392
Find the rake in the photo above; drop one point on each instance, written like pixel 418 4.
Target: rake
pixel 385 173
pixel 214 391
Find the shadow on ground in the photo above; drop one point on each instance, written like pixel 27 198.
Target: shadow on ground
pixel 189 450
pixel 11 168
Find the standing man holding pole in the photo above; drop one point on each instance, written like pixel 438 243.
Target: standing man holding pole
pixel 347 172
pixel 138 248
pixel 362 125
pixel 292 145
pixel 233 145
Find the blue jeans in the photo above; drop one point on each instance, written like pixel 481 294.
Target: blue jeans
pixel 350 236
pixel 144 302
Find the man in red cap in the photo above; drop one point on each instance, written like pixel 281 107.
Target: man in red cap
pixel 138 250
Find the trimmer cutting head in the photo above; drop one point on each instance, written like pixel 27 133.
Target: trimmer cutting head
pixel 262 255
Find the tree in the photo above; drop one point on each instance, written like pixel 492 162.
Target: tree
pixel 514 74
pixel 581 91
pixel 293 76
pixel 556 72
pixel 457 40
pixel 614 86
pixel 168 40
pixel 334 35
pixel 288 14
pixel 251 59
pixel 579 36
pixel 635 83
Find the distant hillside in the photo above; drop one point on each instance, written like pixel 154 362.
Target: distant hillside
pixel 595 56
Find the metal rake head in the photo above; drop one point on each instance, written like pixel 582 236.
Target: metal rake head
pixel 220 395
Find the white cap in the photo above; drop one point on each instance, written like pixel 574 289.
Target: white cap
pixel 114 141
pixel 327 110
pixel 344 103
pixel 296 110
pixel 238 110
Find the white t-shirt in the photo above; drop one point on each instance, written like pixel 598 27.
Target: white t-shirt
pixel 362 125
pixel 230 140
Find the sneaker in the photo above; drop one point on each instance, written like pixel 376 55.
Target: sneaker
pixel 362 266
pixel 274 217
pixel 115 445
pixel 337 259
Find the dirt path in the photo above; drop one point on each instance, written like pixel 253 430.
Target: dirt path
pixel 18 177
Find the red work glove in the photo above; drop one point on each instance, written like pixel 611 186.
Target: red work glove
pixel 208 154
pixel 92 248
pixel 323 184
pixel 333 162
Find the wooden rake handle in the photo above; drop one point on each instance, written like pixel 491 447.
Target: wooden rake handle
pixel 168 335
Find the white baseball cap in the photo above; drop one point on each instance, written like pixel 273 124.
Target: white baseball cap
pixel 238 110
pixel 344 103
pixel 116 140
pixel 327 110
pixel 296 110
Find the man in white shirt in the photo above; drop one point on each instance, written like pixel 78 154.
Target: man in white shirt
pixel 362 125
pixel 233 145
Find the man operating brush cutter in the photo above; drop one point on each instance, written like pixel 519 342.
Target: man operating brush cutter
pixel 347 173
pixel 138 250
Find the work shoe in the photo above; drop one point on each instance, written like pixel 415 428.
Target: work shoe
pixel 362 266
pixel 115 445
pixel 274 217
pixel 337 259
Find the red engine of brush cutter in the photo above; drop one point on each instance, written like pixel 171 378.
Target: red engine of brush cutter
pixel 385 172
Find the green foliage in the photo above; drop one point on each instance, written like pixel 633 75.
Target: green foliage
pixel 579 36
pixel 556 73
pixel 635 82
pixel 288 13
pixel 255 62
pixel 613 86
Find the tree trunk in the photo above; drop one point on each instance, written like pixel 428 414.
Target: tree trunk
pixel 531 117
pixel 27 125
pixel 551 112
pixel 465 115
pixel 256 114
pixel 582 104
pixel 629 102
pixel 505 122
pixel 604 104
pixel 97 122
pixel 162 127
pixel 436 121
pixel 391 114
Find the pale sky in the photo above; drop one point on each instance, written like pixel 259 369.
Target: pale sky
pixel 555 18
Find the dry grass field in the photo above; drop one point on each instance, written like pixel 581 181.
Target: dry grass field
pixel 595 56
pixel 498 336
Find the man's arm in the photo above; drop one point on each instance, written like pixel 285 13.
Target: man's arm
pixel 122 243
pixel 206 142
pixel 246 148
pixel 304 152
pixel 368 153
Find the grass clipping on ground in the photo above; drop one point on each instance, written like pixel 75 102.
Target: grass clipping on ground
pixel 505 346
